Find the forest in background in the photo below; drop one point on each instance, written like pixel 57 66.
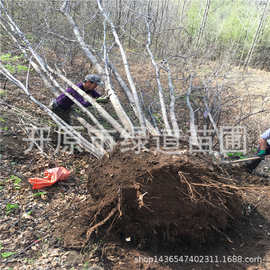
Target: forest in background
pixel 225 30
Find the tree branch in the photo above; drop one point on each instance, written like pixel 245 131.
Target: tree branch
pixel 160 89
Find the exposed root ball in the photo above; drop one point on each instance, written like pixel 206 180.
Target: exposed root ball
pixel 150 197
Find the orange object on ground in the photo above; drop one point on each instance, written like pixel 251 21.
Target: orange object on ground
pixel 52 176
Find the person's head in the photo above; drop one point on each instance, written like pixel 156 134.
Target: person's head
pixel 91 81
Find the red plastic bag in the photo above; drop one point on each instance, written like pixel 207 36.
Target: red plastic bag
pixel 52 176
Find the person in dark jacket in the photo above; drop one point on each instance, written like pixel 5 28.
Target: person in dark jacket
pixel 62 105
pixel 263 150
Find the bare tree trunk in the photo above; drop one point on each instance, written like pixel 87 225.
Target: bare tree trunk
pixel 154 131
pixel 159 20
pixel 256 36
pixel 118 107
pixel 118 13
pixel 193 131
pixel 172 104
pixel 182 11
pixel 203 23
pixel 160 90
pixel 125 62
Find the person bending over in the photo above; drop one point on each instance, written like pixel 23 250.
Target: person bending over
pixel 263 150
pixel 62 105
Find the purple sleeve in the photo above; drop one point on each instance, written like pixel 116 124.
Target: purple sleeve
pixel 78 97
pixel 95 94
pixel 61 98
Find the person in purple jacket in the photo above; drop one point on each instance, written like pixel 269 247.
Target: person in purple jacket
pixel 62 105
pixel 263 150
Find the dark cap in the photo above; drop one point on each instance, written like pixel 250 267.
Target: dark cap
pixel 93 78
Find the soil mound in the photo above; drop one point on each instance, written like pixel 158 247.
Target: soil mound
pixel 152 198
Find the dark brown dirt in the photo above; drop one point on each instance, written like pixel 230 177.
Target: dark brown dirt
pixel 153 199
